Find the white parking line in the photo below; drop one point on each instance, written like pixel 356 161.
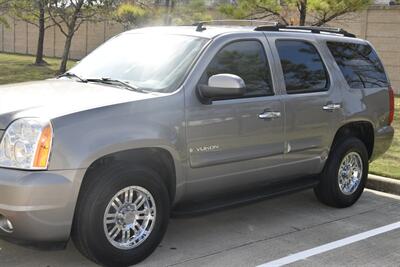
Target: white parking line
pixel 330 246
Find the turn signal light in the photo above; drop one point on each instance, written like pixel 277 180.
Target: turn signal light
pixel 44 148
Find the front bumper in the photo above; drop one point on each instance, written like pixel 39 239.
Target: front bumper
pixel 382 141
pixel 39 204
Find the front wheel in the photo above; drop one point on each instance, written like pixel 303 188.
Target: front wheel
pixel 345 174
pixel 122 215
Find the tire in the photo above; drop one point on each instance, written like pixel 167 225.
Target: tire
pixel 329 191
pixel 103 185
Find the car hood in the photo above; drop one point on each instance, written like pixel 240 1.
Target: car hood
pixel 58 97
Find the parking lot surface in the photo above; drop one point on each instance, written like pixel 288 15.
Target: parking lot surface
pixel 259 233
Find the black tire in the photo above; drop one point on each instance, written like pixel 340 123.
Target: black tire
pixel 100 187
pixel 328 190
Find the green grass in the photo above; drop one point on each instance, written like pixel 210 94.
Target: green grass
pixel 20 68
pixel 389 164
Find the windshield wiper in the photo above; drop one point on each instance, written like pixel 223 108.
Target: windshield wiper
pixel 73 75
pixel 126 85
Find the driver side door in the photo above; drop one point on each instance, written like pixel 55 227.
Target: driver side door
pixel 231 143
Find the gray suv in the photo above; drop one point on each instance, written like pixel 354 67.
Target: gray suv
pixel 187 119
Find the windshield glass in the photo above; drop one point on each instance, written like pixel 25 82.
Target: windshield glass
pixel 152 62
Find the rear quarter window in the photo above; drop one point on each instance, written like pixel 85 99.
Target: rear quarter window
pixel 302 67
pixel 360 65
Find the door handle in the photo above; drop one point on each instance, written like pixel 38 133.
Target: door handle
pixel 269 115
pixel 332 107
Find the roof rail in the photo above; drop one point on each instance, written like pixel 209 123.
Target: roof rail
pixel 312 29
pixel 231 22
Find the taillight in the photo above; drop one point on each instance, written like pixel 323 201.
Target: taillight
pixel 391 105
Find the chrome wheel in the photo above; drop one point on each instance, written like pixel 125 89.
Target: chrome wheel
pixel 350 173
pixel 129 217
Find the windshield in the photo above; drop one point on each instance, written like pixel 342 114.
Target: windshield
pixel 147 61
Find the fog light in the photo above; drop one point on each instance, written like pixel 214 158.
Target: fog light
pixel 6 225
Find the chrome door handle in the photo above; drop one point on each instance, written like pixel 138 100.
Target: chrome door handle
pixel 269 115
pixel 332 107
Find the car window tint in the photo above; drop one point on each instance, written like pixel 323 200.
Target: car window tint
pixel 247 60
pixel 359 64
pixel 302 67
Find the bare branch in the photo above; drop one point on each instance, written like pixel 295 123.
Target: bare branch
pixel 49 26
pixel 77 26
pixel 325 18
pixel 31 22
pixel 273 12
pixel 58 24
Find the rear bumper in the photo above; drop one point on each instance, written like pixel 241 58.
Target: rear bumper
pixel 382 142
pixel 40 205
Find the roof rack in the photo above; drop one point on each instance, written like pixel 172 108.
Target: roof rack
pixel 312 29
pixel 200 25
pixel 273 26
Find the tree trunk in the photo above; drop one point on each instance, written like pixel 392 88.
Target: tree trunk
pixel 39 52
pixel 67 45
pixel 65 56
pixel 303 12
pixel 167 20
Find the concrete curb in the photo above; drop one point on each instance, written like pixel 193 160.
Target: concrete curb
pixel 383 184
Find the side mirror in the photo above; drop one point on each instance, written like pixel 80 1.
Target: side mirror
pixel 221 86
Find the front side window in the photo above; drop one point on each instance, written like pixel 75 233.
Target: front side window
pixel 155 62
pixel 359 64
pixel 247 60
pixel 302 67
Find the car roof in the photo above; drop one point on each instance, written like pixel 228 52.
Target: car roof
pixel 212 31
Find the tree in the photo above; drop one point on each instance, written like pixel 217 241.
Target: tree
pixel 34 12
pixel 329 10
pixel 69 15
pixel 294 11
pixel 4 6
pixel 192 11
pixel 132 14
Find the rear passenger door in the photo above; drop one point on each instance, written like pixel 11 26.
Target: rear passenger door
pixel 312 101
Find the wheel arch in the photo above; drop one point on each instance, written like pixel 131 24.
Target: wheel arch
pixel 363 130
pixel 159 159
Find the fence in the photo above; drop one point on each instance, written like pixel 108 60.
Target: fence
pixel 378 24
pixel 21 37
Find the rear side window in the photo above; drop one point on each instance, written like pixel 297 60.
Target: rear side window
pixel 302 67
pixel 359 64
pixel 247 60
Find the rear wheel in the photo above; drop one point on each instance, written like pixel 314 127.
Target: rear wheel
pixel 345 174
pixel 122 215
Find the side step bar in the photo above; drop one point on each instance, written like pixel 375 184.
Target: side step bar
pixel 193 208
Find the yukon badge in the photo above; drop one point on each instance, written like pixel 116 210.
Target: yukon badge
pixel 211 148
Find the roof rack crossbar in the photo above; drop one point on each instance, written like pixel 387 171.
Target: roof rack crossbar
pixel 312 29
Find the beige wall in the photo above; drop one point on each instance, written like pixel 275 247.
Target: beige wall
pixel 381 26
pixel 21 37
pixel 378 24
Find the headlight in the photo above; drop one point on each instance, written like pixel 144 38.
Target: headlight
pixel 26 144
